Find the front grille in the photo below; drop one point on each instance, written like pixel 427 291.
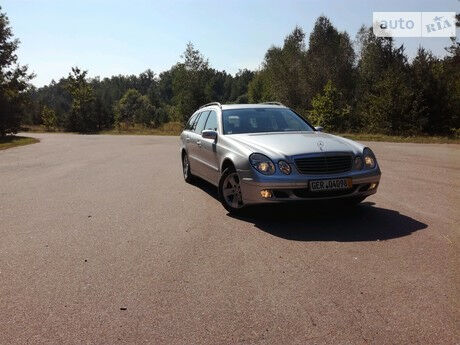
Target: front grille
pixel 323 165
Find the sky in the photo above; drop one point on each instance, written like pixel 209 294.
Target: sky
pixel 110 37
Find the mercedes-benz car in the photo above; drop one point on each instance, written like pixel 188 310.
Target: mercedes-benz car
pixel 267 153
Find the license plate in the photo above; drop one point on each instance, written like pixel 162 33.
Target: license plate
pixel 331 184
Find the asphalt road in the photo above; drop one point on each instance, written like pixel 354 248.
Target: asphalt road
pixel 101 242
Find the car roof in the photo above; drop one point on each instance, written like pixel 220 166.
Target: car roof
pixel 245 106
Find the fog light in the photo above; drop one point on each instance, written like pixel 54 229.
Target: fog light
pixel 372 186
pixel 266 193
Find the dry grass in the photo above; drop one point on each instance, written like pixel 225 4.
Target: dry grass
pixel 175 128
pixel 400 139
pixel 170 128
pixel 37 129
pixel 13 141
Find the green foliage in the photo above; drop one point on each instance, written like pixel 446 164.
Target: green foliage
pixel 129 108
pixel 285 71
pixel 81 117
pixel 330 110
pixel 136 108
pixel 388 102
pixel 259 89
pixel 14 81
pixel 49 118
pixel 330 56
pixel 172 96
pixel 239 86
pixel 189 82
pixel 54 96
pixel 373 88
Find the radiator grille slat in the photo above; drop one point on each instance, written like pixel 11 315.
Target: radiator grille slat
pixel 324 165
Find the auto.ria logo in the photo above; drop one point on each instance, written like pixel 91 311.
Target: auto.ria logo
pixel 414 24
pixel 439 23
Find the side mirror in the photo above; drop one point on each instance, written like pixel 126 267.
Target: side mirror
pixel 209 134
pixel 319 128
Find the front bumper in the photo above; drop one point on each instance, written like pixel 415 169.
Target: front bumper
pixel 296 187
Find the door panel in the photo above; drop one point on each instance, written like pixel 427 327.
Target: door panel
pixel 196 159
pixel 187 135
pixel 208 150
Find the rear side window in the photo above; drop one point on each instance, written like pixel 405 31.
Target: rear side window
pixel 212 121
pixel 191 122
pixel 199 126
pixel 195 122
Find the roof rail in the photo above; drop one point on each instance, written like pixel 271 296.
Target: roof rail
pixel 212 103
pixel 273 103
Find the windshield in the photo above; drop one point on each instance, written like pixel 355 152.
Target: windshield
pixel 260 120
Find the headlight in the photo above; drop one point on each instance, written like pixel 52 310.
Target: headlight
pixel 262 164
pixel 358 163
pixel 369 158
pixel 284 167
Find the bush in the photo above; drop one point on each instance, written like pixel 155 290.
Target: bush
pixel 49 118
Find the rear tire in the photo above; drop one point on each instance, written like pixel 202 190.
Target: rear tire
pixel 230 191
pixel 188 177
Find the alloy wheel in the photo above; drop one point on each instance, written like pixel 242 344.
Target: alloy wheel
pixel 185 166
pixel 231 191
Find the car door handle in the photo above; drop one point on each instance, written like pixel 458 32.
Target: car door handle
pixel 198 143
pixel 187 139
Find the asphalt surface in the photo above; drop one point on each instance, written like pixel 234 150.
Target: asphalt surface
pixel 101 242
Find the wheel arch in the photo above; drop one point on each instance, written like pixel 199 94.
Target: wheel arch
pixel 226 163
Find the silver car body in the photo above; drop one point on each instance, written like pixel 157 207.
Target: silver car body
pixel 208 158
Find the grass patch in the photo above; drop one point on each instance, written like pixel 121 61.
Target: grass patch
pixel 400 139
pixel 13 141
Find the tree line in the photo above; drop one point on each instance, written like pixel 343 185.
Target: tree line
pixel 363 85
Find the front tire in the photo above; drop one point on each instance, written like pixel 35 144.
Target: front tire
pixel 188 177
pixel 230 191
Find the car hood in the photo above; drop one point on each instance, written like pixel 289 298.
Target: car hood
pixel 287 145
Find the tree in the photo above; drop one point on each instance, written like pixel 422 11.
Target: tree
pixel 127 107
pixel 430 107
pixel 49 118
pixel 82 117
pixel 259 89
pixel 384 91
pixel 450 72
pixel 136 108
pixel 239 85
pixel 330 109
pixel 55 96
pixel 374 88
pixel 284 73
pixel 189 80
pixel 331 57
pixel 14 81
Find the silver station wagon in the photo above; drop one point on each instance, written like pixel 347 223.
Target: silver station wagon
pixel 266 153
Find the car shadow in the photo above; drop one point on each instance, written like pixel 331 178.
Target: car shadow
pixel 325 221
